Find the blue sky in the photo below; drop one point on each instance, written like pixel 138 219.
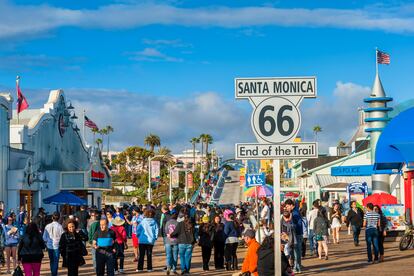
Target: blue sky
pixel 186 54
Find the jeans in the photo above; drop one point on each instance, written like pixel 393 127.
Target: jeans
pixel 297 252
pixel 381 242
pixel 171 251
pixel 145 249
pixel 371 236
pixel 356 230
pixel 54 260
pixel 104 259
pixel 230 254
pixel 312 242
pixel 186 252
pixel 93 253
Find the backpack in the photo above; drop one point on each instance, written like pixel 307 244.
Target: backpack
pixel 170 230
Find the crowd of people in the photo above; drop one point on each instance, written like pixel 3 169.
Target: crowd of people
pixel 218 231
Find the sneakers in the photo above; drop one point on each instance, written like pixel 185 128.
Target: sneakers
pixel 121 271
pixel 150 270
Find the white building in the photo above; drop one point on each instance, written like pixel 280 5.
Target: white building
pixel 188 158
pixel 42 153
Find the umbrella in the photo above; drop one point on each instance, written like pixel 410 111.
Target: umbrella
pixel 262 191
pixel 380 199
pixel 65 197
pixel 291 194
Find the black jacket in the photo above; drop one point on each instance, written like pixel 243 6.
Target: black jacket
pixel 206 233
pixel 219 236
pixel 355 218
pixel 70 247
pixel 265 261
pixel 30 249
pixel 183 236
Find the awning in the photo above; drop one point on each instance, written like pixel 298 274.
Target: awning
pixel 63 198
pixel 395 146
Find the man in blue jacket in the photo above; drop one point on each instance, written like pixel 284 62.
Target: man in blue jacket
pixel 297 222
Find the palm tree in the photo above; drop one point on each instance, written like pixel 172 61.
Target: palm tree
pixel 99 142
pixel 152 141
pixel 205 139
pixel 194 141
pixel 109 129
pixel 316 130
pixel 94 131
pixel 166 154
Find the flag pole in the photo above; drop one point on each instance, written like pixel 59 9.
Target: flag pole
pixel 83 127
pixel 376 60
pixel 17 85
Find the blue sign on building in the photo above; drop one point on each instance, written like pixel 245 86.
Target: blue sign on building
pixel 361 170
pixel 255 179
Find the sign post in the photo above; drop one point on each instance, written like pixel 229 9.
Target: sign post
pixel 275 121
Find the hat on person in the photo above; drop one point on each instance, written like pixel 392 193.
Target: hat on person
pixel 118 221
pixel 205 219
pixel 249 233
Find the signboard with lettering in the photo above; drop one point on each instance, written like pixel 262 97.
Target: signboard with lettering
pixel 190 183
pixel 175 178
pixel 155 172
pixel 357 191
pixel 257 179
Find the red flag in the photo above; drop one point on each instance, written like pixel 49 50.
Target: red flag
pixel 22 103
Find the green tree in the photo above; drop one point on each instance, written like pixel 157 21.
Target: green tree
pixel 152 141
pixel 316 130
pixel 206 139
pixel 99 143
pixel 94 131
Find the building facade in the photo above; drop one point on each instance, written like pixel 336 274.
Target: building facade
pixel 43 153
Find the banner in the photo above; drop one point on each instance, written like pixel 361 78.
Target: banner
pixel 155 172
pixel 395 216
pixel 242 176
pixel 357 191
pixel 190 180
pixel 253 166
pixel 175 178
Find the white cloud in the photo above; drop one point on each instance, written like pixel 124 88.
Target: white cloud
pixel 31 19
pixel 152 54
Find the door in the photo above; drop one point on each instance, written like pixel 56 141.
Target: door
pixel 26 200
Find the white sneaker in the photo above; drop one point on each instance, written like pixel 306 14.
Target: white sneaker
pixel 121 271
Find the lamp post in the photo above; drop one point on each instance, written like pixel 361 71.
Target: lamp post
pixel 149 175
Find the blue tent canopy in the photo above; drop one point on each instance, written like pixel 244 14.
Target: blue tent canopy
pixel 63 198
pixel 396 144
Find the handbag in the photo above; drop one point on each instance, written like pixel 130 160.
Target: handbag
pixel 18 271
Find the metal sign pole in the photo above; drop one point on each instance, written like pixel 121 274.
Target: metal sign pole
pixel 258 214
pixel 276 215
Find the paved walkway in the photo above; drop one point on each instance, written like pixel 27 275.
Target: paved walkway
pixel 344 259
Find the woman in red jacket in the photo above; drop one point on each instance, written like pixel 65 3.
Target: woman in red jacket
pixel 120 242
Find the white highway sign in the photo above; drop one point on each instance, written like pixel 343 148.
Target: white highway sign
pixel 279 87
pixel 276 120
pixel 276 151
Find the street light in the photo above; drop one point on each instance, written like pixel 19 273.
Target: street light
pixel 149 175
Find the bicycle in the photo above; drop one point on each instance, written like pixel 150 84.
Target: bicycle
pixel 407 239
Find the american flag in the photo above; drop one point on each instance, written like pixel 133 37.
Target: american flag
pixel 383 58
pixel 89 123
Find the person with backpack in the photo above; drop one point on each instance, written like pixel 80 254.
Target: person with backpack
pixel 120 243
pixel 51 236
pixel 72 248
pixel 103 242
pixel 206 236
pixel 320 228
pixel 171 244
pixel 232 233
pixel 185 234
pixel 30 250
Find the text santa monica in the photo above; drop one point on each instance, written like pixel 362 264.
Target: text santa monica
pixel 276 87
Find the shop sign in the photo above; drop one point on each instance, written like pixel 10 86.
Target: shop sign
pixel 395 216
pixel 97 176
pixel 357 191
